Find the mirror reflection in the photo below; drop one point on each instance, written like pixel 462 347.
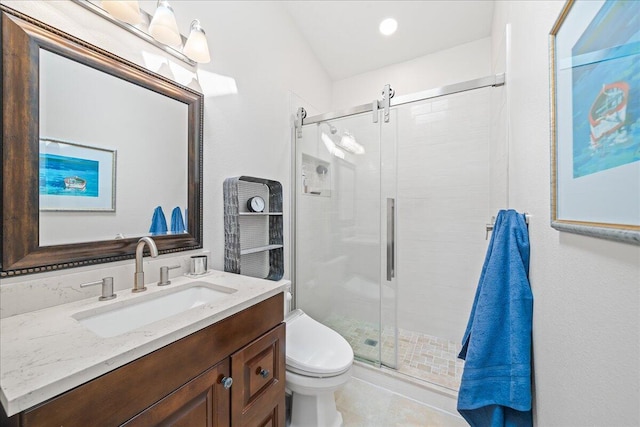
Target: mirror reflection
pixel 111 153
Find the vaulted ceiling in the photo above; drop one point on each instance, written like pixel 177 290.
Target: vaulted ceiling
pixel 344 34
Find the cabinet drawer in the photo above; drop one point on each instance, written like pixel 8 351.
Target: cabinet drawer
pixel 258 372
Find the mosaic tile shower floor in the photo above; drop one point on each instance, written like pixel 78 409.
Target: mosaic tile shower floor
pixel 420 356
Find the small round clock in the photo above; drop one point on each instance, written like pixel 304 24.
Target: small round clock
pixel 255 204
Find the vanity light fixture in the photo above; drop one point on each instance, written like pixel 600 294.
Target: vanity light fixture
pixel 161 31
pixel 163 26
pixel 126 10
pixel 196 46
pixel 388 26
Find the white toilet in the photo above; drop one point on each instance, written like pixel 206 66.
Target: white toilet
pixel 318 363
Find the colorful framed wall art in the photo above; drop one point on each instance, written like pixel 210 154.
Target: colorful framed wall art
pixel 595 119
pixel 76 177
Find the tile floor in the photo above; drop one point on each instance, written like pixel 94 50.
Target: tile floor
pixel 365 405
pixel 420 356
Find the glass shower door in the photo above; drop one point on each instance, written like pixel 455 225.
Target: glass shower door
pixel 449 165
pixel 423 186
pixel 343 204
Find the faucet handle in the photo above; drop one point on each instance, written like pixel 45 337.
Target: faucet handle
pixel 107 288
pixel 164 274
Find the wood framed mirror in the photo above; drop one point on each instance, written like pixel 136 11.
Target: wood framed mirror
pixel 140 132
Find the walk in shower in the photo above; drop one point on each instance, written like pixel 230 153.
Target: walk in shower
pixel 390 211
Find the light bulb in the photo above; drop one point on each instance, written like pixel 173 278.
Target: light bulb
pixel 125 10
pixel 163 26
pixel 196 46
pixel 388 26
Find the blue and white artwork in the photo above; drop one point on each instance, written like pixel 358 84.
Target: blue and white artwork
pixel 69 176
pixel 74 177
pixel 606 90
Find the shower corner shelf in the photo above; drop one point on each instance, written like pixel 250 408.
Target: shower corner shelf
pixel 253 241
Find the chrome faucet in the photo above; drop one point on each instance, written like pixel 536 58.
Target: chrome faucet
pixel 138 279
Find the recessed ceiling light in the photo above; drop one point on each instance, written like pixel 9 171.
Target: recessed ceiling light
pixel 388 26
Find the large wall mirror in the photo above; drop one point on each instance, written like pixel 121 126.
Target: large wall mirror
pixel 95 150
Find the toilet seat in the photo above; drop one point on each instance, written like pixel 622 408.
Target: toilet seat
pixel 313 349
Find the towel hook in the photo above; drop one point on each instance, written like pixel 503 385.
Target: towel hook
pixel 493 221
pixel 490 227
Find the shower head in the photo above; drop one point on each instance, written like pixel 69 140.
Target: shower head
pixel 332 128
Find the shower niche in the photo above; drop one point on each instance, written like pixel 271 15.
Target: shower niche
pixel 253 227
pixel 315 176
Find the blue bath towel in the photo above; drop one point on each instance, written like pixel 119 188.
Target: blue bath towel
pixel 158 222
pixel 177 224
pixel 496 381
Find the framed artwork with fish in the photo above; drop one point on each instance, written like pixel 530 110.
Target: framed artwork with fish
pixel 74 177
pixel 595 119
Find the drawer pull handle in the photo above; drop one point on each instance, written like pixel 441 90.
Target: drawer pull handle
pixel 264 373
pixel 226 382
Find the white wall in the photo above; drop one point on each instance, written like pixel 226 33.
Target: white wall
pixel 249 133
pixel 586 331
pixel 465 62
pixel 261 70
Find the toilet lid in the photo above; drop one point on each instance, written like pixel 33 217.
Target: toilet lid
pixel 314 348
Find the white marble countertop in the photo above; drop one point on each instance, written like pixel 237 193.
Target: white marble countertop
pixel 47 352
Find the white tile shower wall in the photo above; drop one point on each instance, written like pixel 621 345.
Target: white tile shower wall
pixel 443 196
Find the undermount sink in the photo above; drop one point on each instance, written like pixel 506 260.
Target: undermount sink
pixel 144 310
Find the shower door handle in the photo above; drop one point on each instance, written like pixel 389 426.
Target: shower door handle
pixel 391 239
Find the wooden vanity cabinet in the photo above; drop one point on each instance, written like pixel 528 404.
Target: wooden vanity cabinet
pixel 182 384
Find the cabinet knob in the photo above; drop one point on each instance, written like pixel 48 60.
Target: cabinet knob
pixel 264 373
pixel 226 382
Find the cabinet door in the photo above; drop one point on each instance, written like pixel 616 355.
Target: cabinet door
pixel 202 402
pixel 258 370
